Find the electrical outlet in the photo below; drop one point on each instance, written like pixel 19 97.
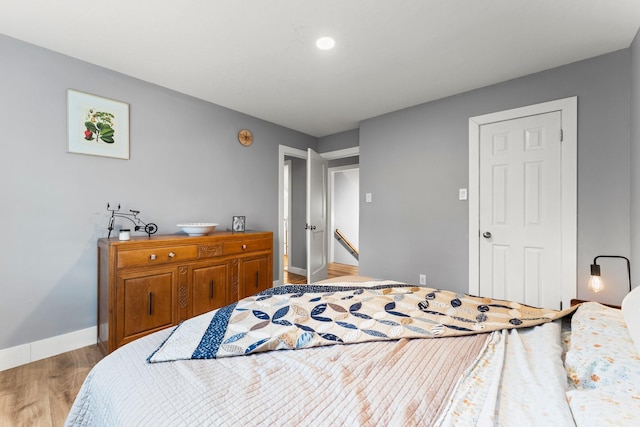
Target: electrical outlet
pixel 423 279
pixel 368 198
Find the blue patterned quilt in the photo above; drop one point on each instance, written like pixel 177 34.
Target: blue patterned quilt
pixel 294 317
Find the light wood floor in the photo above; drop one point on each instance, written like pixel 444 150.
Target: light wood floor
pixel 41 393
pixel 333 270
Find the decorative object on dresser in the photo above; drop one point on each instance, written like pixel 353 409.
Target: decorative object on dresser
pixel 238 223
pixel 198 228
pixel 147 284
pixel 595 282
pixel 149 228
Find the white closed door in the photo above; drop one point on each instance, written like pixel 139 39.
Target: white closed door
pixel 520 198
pixel 316 217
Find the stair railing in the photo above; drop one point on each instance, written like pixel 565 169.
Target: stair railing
pixel 347 244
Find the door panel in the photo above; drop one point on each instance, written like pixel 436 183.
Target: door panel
pixel 209 288
pixel 146 303
pixel 520 210
pixel 254 276
pixel 500 263
pixel 533 274
pixel 316 217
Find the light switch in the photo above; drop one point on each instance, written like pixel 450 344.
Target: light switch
pixel 368 198
pixel 462 194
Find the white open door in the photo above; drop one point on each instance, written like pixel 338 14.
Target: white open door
pixel 316 217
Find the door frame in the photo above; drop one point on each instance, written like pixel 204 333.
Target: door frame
pixel 568 108
pixel 332 155
pixel 284 151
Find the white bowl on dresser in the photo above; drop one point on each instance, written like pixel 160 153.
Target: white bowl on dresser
pixel 198 228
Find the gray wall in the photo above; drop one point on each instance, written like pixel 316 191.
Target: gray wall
pixel 186 165
pixel 345 161
pixel 339 141
pixel 413 162
pixel 635 159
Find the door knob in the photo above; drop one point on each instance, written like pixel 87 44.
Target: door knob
pixel 486 235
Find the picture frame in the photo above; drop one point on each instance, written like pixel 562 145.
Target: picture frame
pixel 97 126
pixel 238 223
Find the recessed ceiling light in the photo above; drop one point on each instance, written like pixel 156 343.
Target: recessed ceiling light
pixel 325 43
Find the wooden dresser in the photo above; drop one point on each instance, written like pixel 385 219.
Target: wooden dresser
pixel 147 284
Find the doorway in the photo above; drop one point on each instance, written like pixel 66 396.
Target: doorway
pixel 294 229
pixel 293 198
pixel 344 214
pixel 493 263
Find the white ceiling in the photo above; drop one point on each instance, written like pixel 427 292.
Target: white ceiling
pixel 259 56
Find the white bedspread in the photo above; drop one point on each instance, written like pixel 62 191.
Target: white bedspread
pixel 389 383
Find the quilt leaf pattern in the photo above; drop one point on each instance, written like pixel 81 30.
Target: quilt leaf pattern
pixel 302 316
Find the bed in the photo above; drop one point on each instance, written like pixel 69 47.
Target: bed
pixel 375 353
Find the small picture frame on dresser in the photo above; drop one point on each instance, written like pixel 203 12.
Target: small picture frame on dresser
pixel 238 223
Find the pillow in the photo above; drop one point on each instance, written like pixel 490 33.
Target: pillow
pixel 601 352
pixel 631 313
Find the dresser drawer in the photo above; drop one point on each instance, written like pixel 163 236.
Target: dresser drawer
pixel 242 246
pixel 161 255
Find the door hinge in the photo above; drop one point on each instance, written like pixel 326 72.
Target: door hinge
pixel 561 135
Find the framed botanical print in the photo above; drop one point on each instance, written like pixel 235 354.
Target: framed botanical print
pixel 97 126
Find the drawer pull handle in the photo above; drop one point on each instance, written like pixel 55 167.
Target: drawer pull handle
pixel 257 280
pixel 150 303
pixel 244 247
pixel 172 254
pixel 211 289
pixel 152 257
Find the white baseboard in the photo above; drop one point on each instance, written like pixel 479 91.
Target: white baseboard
pixel 37 350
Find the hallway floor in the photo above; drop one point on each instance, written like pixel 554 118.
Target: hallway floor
pixel 334 270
